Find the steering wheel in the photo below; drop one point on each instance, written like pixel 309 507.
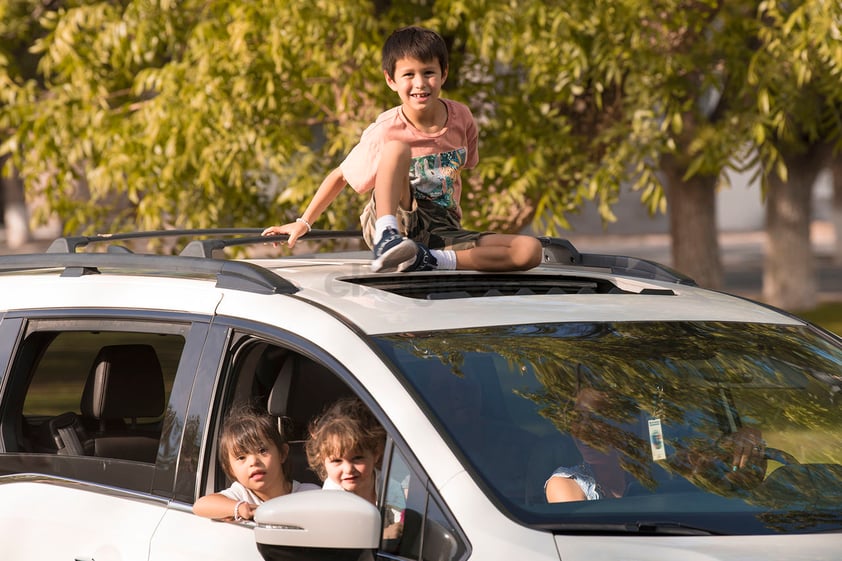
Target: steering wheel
pixel 777 455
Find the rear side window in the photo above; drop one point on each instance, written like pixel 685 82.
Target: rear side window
pixel 83 395
pixel 60 375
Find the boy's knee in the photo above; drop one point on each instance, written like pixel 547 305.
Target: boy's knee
pixel 395 150
pixel 528 252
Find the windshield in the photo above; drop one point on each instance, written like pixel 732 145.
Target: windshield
pixel 658 427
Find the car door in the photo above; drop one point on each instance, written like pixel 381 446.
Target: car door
pixel 237 365
pixel 87 420
pixel 180 534
pixel 294 380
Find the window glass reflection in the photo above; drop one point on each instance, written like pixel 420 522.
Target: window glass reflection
pixel 724 416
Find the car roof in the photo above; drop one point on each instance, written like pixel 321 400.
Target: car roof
pixel 390 303
pixel 569 286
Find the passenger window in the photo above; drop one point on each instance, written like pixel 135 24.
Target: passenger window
pixel 293 388
pixel 427 533
pixel 99 393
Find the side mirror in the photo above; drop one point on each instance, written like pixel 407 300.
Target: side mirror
pixel 317 526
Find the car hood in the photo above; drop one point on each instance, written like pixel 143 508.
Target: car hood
pixel 803 547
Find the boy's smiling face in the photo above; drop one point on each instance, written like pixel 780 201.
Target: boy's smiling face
pixel 418 83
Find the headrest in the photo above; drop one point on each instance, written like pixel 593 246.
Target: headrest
pixel 279 395
pixel 125 381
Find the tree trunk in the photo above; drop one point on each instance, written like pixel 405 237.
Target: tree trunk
pixel 692 219
pixel 836 210
pixel 15 213
pixel 789 272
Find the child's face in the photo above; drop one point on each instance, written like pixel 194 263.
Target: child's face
pixel 417 82
pixel 261 470
pixel 353 471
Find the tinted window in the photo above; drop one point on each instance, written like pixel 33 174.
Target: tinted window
pixel 75 397
pixel 721 426
pixel 59 377
pixel 415 526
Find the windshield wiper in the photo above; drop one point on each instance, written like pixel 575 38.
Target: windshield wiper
pixel 667 529
pixel 648 527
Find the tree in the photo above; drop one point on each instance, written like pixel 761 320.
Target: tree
pixel 154 114
pixel 18 23
pixel 789 279
pixel 836 169
pixel 706 52
pixel 615 93
pixel 794 78
pixel 195 114
pixel 682 87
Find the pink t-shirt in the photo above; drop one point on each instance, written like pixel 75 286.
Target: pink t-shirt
pixel 437 159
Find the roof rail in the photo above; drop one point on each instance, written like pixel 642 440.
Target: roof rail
pixel 196 258
pixel 237 275
pixel 560 252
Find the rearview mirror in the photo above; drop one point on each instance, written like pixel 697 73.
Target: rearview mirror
pixel 317 526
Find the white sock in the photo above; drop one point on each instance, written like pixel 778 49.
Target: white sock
pixel 445 259
pixel 383 223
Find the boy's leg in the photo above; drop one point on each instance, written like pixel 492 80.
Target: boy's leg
pixel 392 250
pixel 501 252
pixel 391 185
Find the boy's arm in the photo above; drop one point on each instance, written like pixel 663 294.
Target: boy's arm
pixel 326 193
pixel 220 507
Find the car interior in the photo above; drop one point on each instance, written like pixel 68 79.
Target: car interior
pixel 93 394
pixel 292 388
pixel 125 383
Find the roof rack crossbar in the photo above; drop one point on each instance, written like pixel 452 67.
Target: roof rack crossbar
pixel 196 248
pixel 206 248
pixel 70 244
pixel 229 274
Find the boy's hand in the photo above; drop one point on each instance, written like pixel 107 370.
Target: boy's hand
pixel 294 230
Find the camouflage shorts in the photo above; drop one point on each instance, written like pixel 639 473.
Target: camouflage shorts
pixel 426 223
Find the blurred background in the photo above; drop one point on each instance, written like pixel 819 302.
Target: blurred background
pixel 699 133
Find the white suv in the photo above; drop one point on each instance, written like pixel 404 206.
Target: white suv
pixel 717 434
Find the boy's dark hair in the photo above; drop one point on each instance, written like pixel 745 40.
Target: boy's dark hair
pixel 247 429
pixel 345 426
pixel 414 42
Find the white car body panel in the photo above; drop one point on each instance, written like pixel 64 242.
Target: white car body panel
pixel 183 536
pixel 75 522
pixel 815 547
pixel 493 535
pixel 111 292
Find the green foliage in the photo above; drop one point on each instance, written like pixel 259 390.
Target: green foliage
pixel 157 113
pixel 793 78
pixel 193 114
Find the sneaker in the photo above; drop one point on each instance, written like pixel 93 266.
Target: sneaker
pixel 393 252
pixel 424 260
